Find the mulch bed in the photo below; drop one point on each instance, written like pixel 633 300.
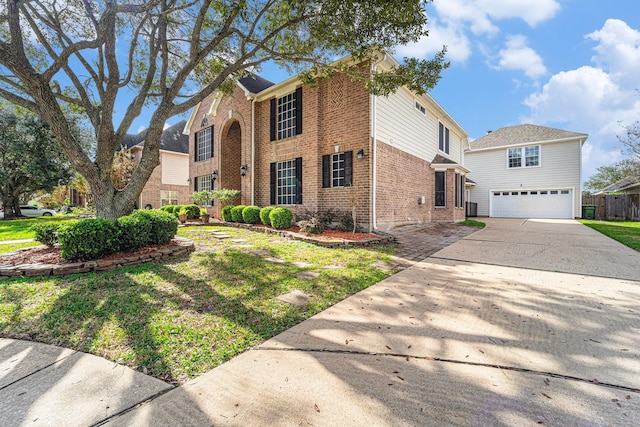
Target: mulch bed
pixel 327 234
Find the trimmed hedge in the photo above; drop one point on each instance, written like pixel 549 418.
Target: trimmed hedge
pixel 226 213
pixel 281 218
pixel 264 215
pixel 193 211
pixel 96 237
pixel 46 233
pixel 236 213
pixel 251 214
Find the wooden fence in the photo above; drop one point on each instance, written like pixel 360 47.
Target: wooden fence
pixel 621 207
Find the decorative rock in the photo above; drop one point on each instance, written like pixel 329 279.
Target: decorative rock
pixel 295 297
pixel 307 275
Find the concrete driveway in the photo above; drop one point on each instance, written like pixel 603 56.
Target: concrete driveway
pixel 523 323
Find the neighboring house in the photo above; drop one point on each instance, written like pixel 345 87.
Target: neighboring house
pixel 629 185
pixel 168 183
pixel 396 159
pixel 526 171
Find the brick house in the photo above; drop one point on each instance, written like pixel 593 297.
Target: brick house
pixel 168 183
pixel 399 158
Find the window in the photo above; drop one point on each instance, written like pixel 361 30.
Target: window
pixel 337 169
pixel 440 188
pixel 443 138
pixel 420 108
pixel 459 190
pixel 532 156
pixel 204 144
pixel 203 183
pixel 286 115
pixel 286 182
pixel 523 157
pixel 168 198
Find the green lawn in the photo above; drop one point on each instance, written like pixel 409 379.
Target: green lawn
pixel 472 223
pixel 18 229
pixel 177 320
pixel 625 232
pixel 10 247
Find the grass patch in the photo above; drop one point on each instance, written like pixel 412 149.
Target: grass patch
pixel 625 232
pixel 179 319
pixel 472 223
pixel 19 229
pixel 10 247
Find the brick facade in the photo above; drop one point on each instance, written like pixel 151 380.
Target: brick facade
pixel 151 193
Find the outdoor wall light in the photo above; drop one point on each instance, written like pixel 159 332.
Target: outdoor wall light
pixel 360 154
pixel 214 175
pixel 189 180
pixel 243 170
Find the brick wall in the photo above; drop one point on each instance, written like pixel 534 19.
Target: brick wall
pixel 449 213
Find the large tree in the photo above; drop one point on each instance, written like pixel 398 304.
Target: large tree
pixel 610 174
pixel 30 159
pixel 88 56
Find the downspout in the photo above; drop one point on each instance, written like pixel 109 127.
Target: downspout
pixel 374 162
pixel 253 148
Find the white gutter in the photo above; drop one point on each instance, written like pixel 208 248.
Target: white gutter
pixel 374 162
pixel 253 148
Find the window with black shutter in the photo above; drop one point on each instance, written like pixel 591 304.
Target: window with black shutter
pixel 204 144
pixel 440 188
pixel 286 182
pixel 443 138
pixel 337 169
pixel 285 118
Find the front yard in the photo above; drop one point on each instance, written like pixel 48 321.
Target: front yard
pixel 625 232
pixel 20 229
pixel 178 320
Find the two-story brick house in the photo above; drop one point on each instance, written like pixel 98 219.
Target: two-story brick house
pixel 398 159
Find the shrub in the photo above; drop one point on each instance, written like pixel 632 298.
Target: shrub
pixel 163 226
pixel 236 213
pixel 226 213
pixel 281 218
pixel 264 215
pixel 193 211
pixel 46 233
pixel 133 232
pixel 311 226
pixel 88 239
pixel 345 221
pixel 251 214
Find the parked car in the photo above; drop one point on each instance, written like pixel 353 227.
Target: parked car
pixel 32 211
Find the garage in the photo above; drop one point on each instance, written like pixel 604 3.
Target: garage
pixel 556 203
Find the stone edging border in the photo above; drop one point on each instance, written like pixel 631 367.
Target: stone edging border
pixel 184 246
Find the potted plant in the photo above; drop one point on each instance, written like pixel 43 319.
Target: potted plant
pixel 225 195
pixel 182 215
pixel 200 198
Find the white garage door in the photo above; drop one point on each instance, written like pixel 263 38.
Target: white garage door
pixel 532 204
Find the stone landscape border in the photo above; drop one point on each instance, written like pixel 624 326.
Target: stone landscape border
pixel 181 246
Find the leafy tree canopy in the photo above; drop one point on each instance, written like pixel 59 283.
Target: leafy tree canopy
pixel 610 174
pixel 30 159
pixel 85 57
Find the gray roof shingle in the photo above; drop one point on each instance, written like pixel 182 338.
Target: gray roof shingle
pixel 172 139
pixel 254 83
pixel 522 134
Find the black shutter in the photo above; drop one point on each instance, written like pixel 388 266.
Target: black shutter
pixel 298 96
pixel 195 147
pixel 272 183
pixel 299 180
pixel 440 137
pixel 446 140
pixel 326 171
pixel 195 183
pixel 348 168
pixel 273 114
pixel 212 144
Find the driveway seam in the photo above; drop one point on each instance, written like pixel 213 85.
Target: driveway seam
pixel 132 407
pixel 459 362
pixel 39 370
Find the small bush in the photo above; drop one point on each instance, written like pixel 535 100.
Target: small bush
pixel 281 218
pixel 163 226
pixel 264 215
pixel 226 213
pixel 193 211
pixel 345 221
pixel 88 239
pixel 311 226
pixel 251 214
pixel 133 232
pixel 46 233
pixel 236 213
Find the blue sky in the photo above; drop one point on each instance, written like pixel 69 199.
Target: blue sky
pixel 570 64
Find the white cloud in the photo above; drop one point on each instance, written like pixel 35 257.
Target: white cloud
pixel 453 21
pixel 596 99
pixel 518 56
pixel 141 128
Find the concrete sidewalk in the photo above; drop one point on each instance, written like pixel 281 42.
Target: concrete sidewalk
pixel 446 342
pixel 496 329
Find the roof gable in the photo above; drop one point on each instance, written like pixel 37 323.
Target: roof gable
pixel 523 134
pixel 172 139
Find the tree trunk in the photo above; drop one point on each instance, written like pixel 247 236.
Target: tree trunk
pixel 111 203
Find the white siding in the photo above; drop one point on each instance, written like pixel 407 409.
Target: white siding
pixel 175 168
pixel 560 168
pixel 400 125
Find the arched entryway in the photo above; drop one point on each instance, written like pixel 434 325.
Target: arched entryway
pixel 230 158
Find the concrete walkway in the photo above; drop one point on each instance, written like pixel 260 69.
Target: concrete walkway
pixel 522 323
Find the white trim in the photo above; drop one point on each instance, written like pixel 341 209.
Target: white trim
pixel 522 144
pixel 523 157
